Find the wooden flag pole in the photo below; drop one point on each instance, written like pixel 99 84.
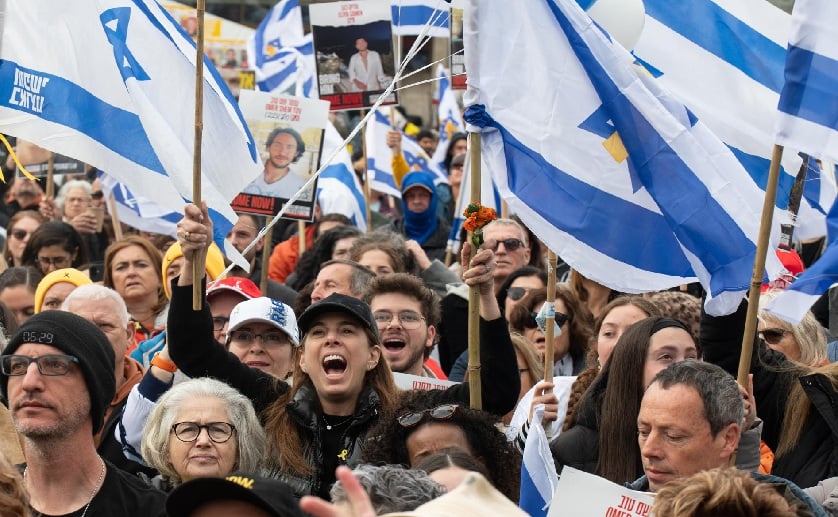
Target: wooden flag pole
pixel 549 333
pixel 474 380
pixel 266 256
pixel 301 236
pixel 759 267
pixel 199 258
pixel 117 228
pixel 367 187
pixel 49 188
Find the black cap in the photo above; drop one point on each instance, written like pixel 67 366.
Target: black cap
pixel 337 302
pixel 271 495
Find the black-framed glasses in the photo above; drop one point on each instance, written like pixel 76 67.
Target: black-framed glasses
pixel 442 412
pixel 58 262
pixel 531 322
pixel 268 338
pixel 52 365
pixel 510 244
pixel 410 320
pixel 516 293
pixel 772 336
pixel 218 432
pixel 218 322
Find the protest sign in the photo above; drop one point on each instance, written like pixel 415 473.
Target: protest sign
pixel 354 51
pixel 580 494
pixel 289 131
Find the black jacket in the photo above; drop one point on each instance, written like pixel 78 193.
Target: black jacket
pixel 816 455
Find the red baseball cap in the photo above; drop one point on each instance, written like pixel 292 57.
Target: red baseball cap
pixel 236 284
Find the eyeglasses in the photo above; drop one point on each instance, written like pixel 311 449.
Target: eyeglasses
pixel 218 322
pixel 531 323
pixel 20 234
pixel 443 412
pixel 409 320
pixel 58 262
pixel 509 244
pixel 516 293
pixel 52 365
pixel 269 338
pixel 773 336
pixel 218 432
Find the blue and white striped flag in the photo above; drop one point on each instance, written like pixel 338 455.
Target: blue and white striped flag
pixel 282 55
pixel 614 175
pixel 379 157
pixel 538 471
pixel 724 59
pixel 338 188
pixel 139 212
pixel 411 16
pixel 112 85
pixel 808 107
pixel 450 116
pixel 808 121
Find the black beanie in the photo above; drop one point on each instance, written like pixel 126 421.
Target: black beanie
pixel 78 337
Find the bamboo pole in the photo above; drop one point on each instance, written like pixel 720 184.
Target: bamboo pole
pixel 49 188
pixel 549 331
pixel 117 227
pixel 301 236
pixel 367 187
pixel 199 258
pixel 759 267
pixel 474 380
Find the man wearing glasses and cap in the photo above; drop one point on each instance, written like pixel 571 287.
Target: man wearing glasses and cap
pixel 57 376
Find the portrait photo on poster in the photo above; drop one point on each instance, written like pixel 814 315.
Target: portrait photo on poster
pixel 353 45
pixel 289 131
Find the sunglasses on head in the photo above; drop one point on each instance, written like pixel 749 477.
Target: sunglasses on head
pixel 508 244
pixel 531 322
pixel 773 336
pixel 443 412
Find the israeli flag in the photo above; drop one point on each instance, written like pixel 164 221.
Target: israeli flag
pixel 282 55
pixel 139 212
pixel 808 121
pixel 411 16
pixel 338 188
pixel 619 179
pixel 379 157
pixel 450 117
pixel 724 59
pixel 808 109
pixel 538 471
pixel 112 85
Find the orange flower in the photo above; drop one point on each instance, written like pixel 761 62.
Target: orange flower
pixel 478 216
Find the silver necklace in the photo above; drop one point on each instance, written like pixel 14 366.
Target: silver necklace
pixel 93 493
pixel 329 426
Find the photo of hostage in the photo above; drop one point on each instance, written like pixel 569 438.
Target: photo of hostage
pixel 285 147
pixel 365 70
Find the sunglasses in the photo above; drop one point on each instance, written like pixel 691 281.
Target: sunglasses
pixel 508 244
pixel 773 336
pixel 443 412
pixel 531 322
pixel 20 234
pixel 516 293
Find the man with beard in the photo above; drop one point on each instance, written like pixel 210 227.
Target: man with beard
pixel 285 147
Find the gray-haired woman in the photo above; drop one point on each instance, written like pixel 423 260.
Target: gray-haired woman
pixel 202 428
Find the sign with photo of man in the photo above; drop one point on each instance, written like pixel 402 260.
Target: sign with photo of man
pixel 353 45
pixel 290 131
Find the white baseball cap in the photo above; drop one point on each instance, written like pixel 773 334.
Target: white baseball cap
pixel 265 310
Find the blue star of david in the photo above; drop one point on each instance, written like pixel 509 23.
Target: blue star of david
pixel 115 23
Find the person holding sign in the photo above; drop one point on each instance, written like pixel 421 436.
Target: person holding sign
pixel 285 147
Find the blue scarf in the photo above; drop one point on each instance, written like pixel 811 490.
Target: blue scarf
pixel 420 226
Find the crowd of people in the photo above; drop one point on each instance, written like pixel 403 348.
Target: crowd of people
pixel 122 396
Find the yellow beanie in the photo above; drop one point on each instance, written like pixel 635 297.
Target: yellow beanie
pixel 69 275
pixel 214 267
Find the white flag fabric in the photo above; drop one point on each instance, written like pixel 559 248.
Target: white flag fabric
pixel 111 83
pixel 282 55
pixel 138 212
pixel 450 116
pixel 614 175
pixel 538 471
pixel 411 16
pixel 724 60
pixel 338 188
pixel 808 107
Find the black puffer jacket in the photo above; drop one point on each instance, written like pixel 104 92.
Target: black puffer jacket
pixel 816 455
